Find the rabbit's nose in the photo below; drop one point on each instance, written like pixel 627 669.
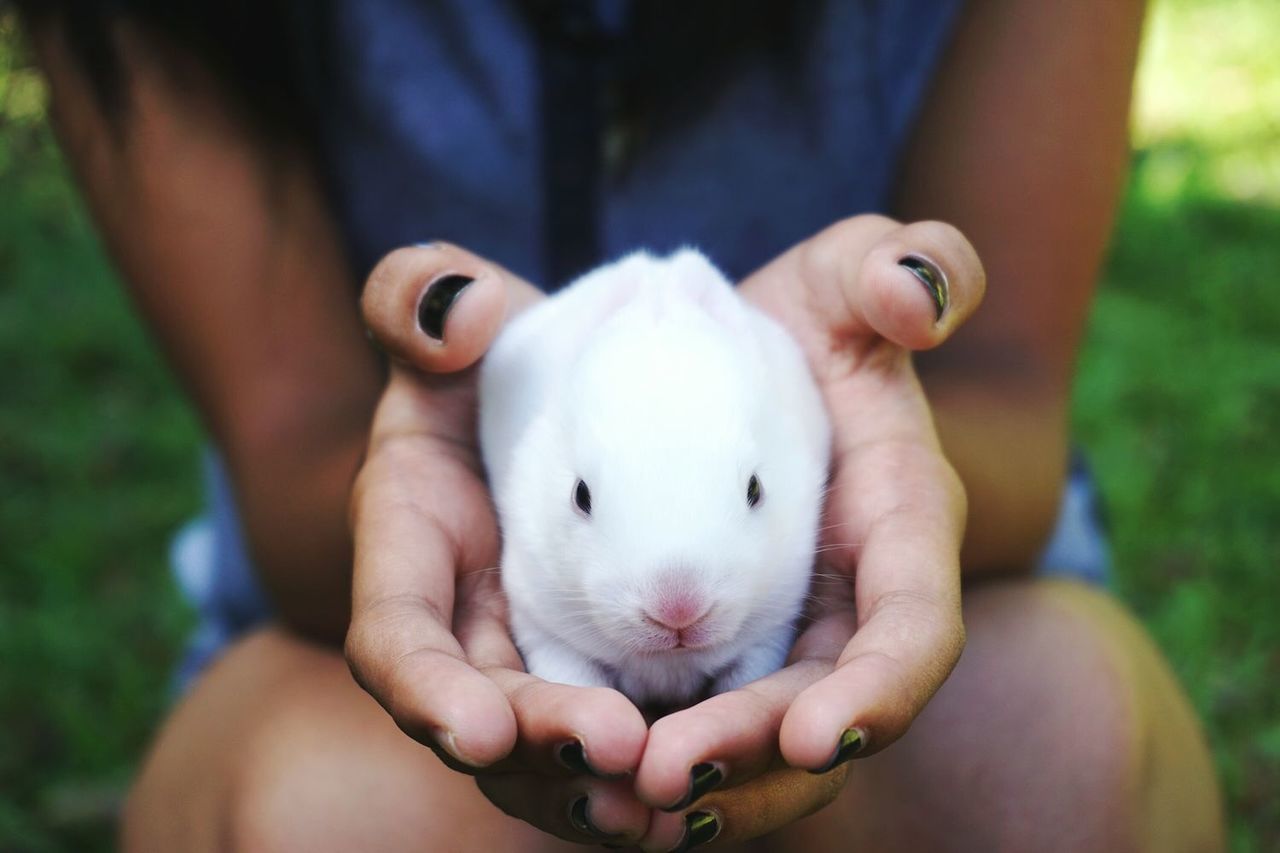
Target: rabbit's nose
pixel 677 608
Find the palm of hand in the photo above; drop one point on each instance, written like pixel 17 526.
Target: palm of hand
pixel 434 649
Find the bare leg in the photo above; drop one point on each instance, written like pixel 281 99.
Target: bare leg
pixel 1060 730
pixel 278 749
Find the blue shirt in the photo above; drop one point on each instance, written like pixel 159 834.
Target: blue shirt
pixel 435 132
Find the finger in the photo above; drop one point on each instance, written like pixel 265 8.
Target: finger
pixel 400 645
pixel 907 587
pixel 438 306
pixel 869 276
pixel 580 809
pixel 731 738
pixel 721 742
pixel 804 287
pixel 563 728
pixel 919 283
pixel 746 812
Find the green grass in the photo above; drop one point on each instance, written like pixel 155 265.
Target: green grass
pixel 96 471
pixel 1178 397
pixel 1178 404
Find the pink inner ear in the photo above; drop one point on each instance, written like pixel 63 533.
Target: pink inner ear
pixel 717 302
pixel 622 292
pixel 712 293
pixel 625 282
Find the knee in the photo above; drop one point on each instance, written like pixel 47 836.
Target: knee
pixel 1077 737
pixel 274 749
pixel 327 769
pixel 298 786
pixel 1095 728
pixel 1061 729
pixel 276 792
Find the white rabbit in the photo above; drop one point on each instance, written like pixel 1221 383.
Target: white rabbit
pixel 658 453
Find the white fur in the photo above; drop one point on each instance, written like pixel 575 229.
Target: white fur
pixel 654 382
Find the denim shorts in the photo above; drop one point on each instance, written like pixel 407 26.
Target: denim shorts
pixel 212 567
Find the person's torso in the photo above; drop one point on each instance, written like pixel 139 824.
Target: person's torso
pixel 471 122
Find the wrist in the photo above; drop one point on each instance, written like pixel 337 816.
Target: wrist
pixel 292 489
pixel 1010 448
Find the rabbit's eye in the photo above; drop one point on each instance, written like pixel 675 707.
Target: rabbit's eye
pixel 754 491
pixel 582 497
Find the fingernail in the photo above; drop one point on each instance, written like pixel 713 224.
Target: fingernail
pixel 851 743
pixel 578 816
pixel 573 756
pixel 582 822
pixel 436 302
pixel 931 276
pixel 699 829
pixel 448 741
pixel 702 778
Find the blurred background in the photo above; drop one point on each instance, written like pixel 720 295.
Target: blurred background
pixel 1177 404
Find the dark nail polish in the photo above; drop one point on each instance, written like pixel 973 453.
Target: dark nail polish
pixel 437 301
pixel 851 743
pixel 581 822
pixel 699 829
pixel 578 816
pixel 574 756
pixel 933 279
pixel 702 778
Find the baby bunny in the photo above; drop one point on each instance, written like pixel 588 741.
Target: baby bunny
pixel 658 452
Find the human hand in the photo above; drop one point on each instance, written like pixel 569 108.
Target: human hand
pixel 853 326
pixel 429 637
pixel 889 547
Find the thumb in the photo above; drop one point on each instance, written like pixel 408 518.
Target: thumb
pixel 438 307
pixel 918 284
pixel 871 276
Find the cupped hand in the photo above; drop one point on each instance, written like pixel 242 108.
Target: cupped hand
pixel 883 630
pixel 428 636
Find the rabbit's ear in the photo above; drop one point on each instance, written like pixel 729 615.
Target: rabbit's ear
pixel 593 299
pixel 698 280
pixel 603 291
pixel 652 284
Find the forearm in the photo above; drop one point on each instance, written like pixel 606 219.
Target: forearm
pixel 233 259
pixel 293 501
pixel 1021 144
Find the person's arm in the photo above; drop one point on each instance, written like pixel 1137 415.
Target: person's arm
pixel 1022 145
pixel 232 257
